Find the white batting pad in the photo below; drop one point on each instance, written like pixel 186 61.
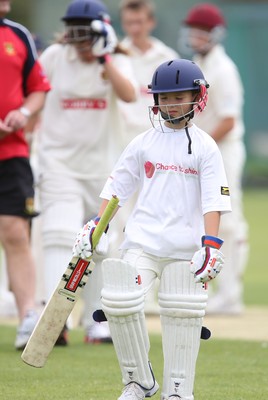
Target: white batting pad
pixel 123 303
pixel 92 293
pixel 182 307
pixel 56 259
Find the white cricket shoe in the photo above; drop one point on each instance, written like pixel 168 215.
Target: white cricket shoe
pixel 25 329
pixel 98 332
pixel 133 391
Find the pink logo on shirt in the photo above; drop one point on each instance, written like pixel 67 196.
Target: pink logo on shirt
pixel 83 104
pixel 149 169
pixel 159 167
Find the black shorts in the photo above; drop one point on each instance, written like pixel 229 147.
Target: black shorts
pixel 16 188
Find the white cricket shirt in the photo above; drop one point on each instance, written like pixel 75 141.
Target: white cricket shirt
pixel 225 93
pixel 81 132
pixel 176 190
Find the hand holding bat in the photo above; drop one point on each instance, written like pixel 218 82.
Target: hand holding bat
pixel 63 299
pixel 83 245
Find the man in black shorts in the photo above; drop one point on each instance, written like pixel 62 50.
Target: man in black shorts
pixel 16 188
pixel 24 86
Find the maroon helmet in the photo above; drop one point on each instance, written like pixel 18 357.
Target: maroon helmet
pixel 205 15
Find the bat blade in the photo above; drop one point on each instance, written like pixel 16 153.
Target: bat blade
pixel 63 299
pixel 56 312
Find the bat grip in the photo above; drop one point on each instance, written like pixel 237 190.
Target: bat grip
pixel 104 220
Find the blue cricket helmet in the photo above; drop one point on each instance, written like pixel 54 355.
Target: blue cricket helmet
pixel 176 76
pixel 86 9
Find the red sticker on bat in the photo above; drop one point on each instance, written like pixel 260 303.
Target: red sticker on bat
pixel 77 275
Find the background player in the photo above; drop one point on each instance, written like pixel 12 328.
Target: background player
pixel 80 137
pixel 23 86
pixel 183 191
pixel 146 52
pixel 204 30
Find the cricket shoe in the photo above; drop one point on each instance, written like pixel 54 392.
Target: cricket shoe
pixel 133 391
pixel 98 332
pixel 25 329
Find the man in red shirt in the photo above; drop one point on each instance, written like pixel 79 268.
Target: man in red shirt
pixel 23 88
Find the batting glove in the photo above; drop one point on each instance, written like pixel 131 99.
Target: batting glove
pixel 208 261
pixel 107 40
pixel 83 247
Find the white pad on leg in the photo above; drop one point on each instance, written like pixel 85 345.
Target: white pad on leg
pixel 123 305
pixel 56 259
pixel 92 293
pixel 182 307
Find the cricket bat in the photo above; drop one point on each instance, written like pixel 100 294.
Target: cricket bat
pixel 63 300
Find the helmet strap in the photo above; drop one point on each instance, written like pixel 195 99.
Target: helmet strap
pixel 189 139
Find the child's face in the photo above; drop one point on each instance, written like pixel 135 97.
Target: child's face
pixel 176 104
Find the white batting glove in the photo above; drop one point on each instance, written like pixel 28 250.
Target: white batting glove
pixel 208 261
pixel 107 40
pixel 83 243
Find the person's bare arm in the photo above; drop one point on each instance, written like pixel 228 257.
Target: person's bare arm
pixel 17 119
pixel 122 86
pixel 103 206
pixel 212 223
pixel 223 128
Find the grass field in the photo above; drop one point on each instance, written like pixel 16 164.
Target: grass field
pixel 230 370
pixel 226 369
pixel 256 276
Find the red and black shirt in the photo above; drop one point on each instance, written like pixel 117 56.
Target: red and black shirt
pixel 21 74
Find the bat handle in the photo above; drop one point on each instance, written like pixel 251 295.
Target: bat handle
pixel 104 220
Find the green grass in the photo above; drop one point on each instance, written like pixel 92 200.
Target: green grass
pixel 226 369
pixel 256 275
pixel 230 370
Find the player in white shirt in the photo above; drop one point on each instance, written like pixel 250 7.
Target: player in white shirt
pixel 80 133
pixel 171 234
pixel 205 28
